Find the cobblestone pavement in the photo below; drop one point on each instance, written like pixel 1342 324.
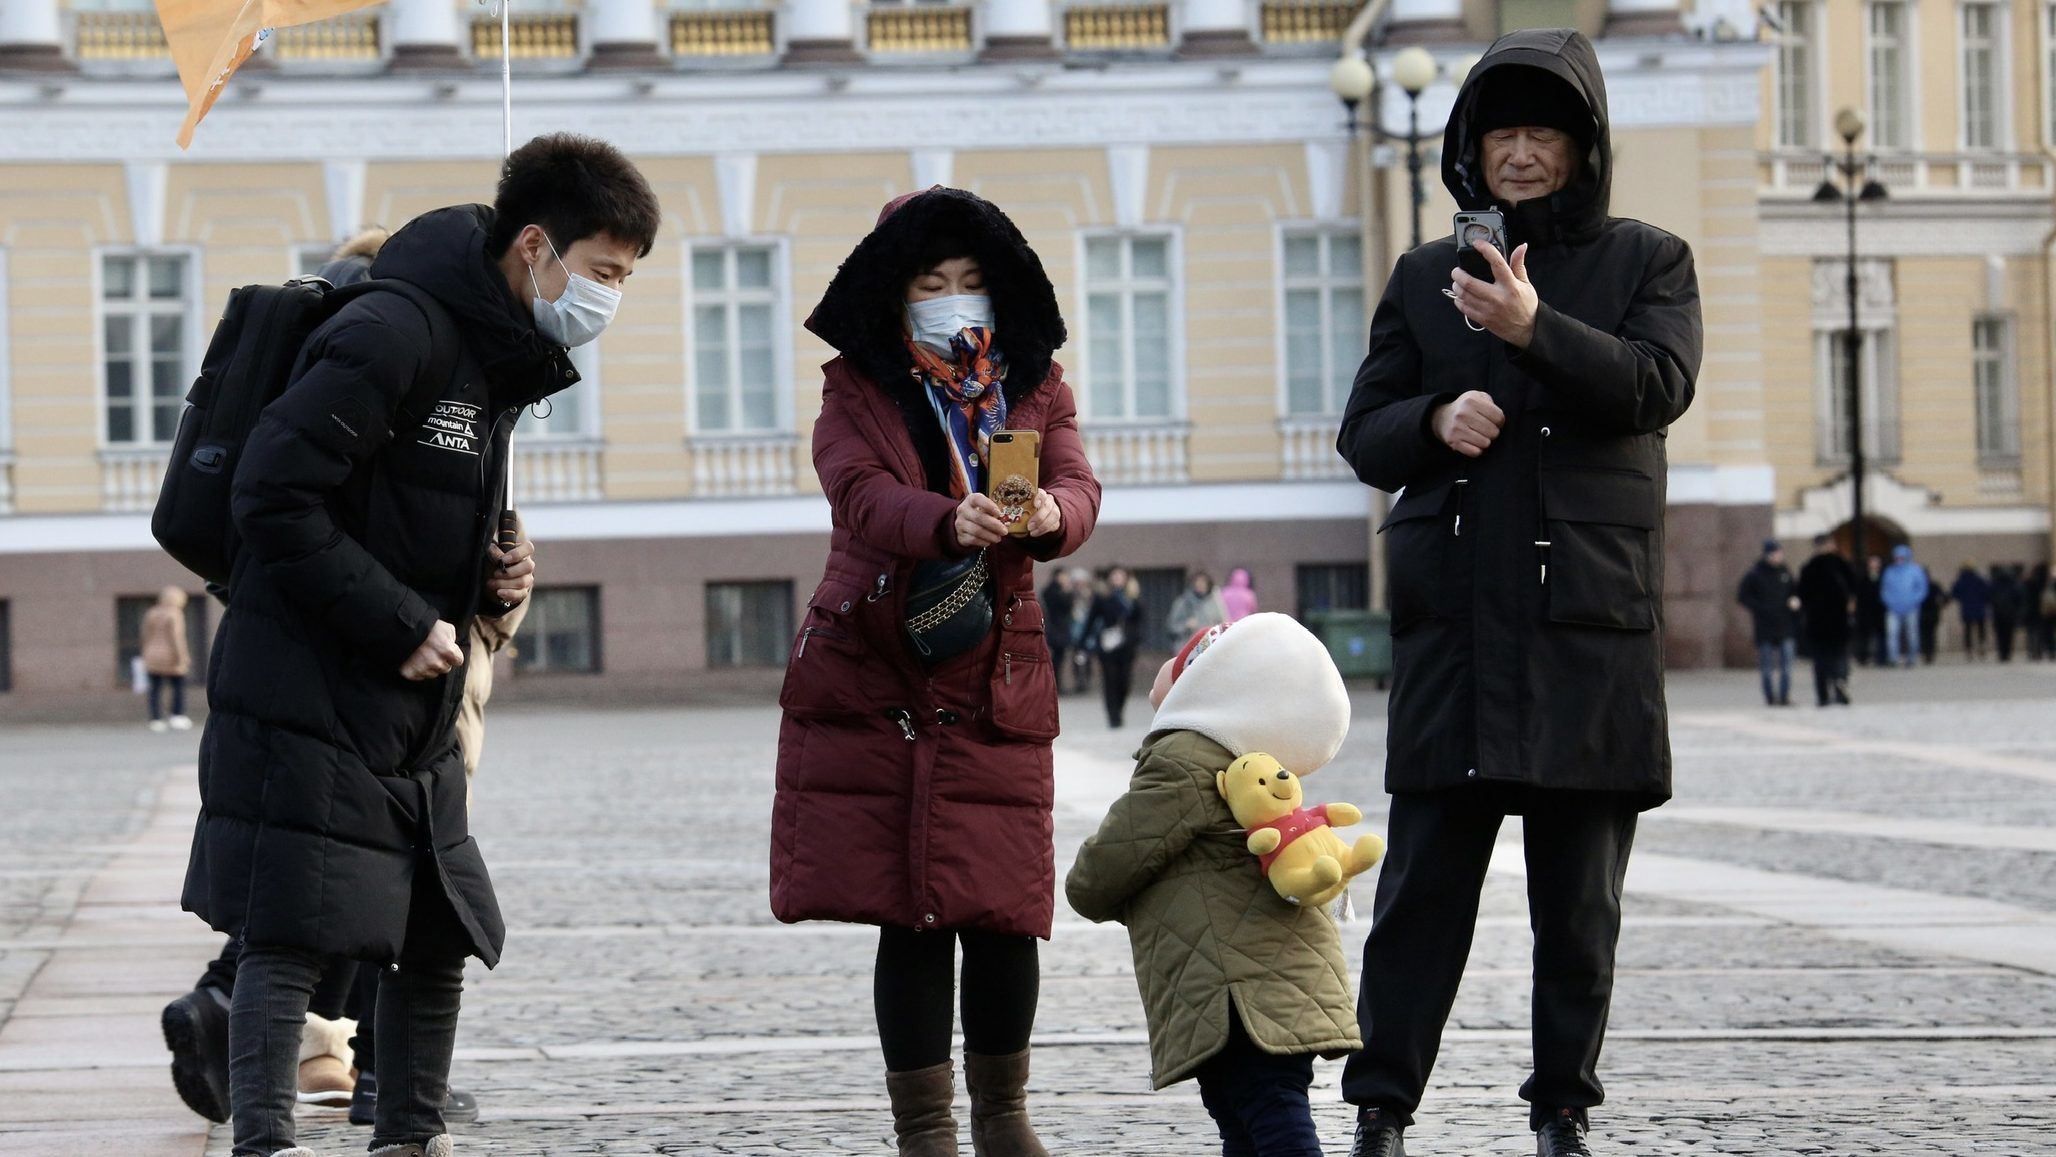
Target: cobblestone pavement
pixel 1801 971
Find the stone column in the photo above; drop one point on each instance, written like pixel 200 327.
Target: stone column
pixel 1642 18
pixel 426 36
pixel 31 36
pixel 820 32
pixel 1019 30
pixel 1215 28
pixel 623 34
pixel 1428 22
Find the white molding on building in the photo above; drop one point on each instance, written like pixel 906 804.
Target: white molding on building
pixel 1917 510
pixel 279 118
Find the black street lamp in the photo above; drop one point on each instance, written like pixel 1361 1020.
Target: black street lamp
pixel 1355 82
pixel 1851 192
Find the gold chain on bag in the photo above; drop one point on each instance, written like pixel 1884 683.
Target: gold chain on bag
pixel 971 587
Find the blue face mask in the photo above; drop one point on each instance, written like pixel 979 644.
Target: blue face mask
pixel 935 322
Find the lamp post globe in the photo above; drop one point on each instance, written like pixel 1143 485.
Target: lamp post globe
pixel 1352 79
pixel 1414 69
pixel 1849 125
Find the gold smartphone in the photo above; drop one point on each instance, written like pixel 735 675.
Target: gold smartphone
pixel 1012 474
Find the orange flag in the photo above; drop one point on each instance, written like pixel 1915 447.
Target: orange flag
pixel 210 39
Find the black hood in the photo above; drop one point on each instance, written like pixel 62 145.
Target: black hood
pixel 861 312
pixel 444 253
pixel 1577 210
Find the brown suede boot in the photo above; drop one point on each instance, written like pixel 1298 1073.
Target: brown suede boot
pixel 999 1106
pixel 921 1116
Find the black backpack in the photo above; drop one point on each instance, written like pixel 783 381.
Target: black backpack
pixel 255 347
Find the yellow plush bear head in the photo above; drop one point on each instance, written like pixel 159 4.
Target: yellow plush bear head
pixel 1259 789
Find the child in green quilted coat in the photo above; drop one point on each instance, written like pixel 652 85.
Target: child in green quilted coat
pixel 1242 990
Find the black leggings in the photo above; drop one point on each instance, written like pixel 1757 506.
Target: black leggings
pixel 914 982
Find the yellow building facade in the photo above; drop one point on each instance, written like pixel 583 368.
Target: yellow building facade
pixel 1215 232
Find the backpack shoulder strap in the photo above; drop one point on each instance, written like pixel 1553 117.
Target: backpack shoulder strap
pixel 445 344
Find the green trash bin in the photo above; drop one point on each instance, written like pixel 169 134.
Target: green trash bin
pixel 1359 641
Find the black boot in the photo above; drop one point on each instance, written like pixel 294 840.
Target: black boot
pixel 1378 1135
pixel 1562 1136
pixel 196 1031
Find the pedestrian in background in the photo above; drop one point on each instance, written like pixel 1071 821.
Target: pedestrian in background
pixel 1238 598
pixel 1931 609
pixel 1525 418
pixel 915 780
pixel 2047 603
pixel 1903 589
pixel 1197 607
pixel 2034 591
pixel 1772 597
pixel 1114 632
pixel 2008 603
pixel 1870 614
pixel 1827 605
pixel 1973 595
pixel 167 659
pixel 1058 602
pixel 1085 590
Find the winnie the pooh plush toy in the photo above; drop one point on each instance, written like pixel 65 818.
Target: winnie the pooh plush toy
pixel 1296 846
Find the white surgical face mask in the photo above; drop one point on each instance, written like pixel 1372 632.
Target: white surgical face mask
pixel 580 313
pixel 935 321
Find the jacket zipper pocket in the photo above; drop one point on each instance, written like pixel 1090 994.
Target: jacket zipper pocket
pixel 1457 529
pixel 1007 664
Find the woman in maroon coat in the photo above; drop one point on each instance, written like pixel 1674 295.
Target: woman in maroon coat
pixel 916 795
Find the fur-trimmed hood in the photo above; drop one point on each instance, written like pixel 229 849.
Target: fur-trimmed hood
pixel 1267 684
pixel 861 312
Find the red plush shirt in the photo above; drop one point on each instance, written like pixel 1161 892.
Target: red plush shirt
pixel 1294 824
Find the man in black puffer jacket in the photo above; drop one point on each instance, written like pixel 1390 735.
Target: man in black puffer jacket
pixel 332 788
pixel 1525 418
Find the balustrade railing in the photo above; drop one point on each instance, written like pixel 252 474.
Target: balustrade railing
pixel 532 36
pixel 1307 448
pixel 119 36
pixel 554 470
pixel 716 32
pixel 742 465
pixel 129 477
pixel 1921 174
pixel 6 483
pixel 1117 27
pixel 914 30
pixel 352 36
pixel 1138 455
pixel 1305 21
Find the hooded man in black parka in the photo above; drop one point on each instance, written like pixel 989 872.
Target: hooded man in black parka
pixel 1523 410
pixel 332 787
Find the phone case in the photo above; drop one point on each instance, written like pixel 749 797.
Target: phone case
pixel 1012 475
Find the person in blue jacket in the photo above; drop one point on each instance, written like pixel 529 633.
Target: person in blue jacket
pixel 1903 589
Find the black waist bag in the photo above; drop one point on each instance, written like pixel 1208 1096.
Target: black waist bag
pixel 949 609
pixel 255 348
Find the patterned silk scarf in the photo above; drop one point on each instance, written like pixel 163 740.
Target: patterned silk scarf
pixel 965 389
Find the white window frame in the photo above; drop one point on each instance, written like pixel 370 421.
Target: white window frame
pixel 1174 275
pixel 7 373
pixel 2046 34
pixel 297 258
pixel 195 337
pixel 1815 43
pixel 1880 370
pixel 2005 455
pixel 1337 379
pixel 780 296
pixel 588 360
pixel 2002 77
pixel 1907 112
